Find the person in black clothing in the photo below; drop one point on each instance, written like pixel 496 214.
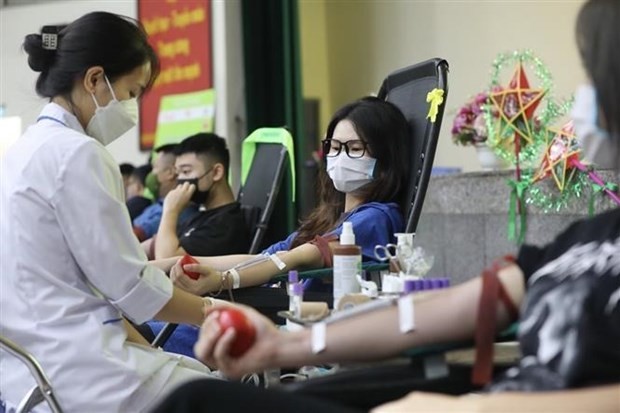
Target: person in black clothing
pixel 202 163
pixel 568 293
pixel 219 227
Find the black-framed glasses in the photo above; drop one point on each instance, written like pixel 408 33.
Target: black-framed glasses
pixel 353 149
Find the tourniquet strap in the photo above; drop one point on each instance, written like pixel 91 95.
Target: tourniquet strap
pixel 486 325
pixel 322 243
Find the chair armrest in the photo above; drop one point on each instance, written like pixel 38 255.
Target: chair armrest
pixel 368 387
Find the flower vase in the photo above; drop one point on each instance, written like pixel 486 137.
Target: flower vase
pixel 489 160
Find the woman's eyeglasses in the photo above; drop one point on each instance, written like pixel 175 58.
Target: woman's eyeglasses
pixel 353 149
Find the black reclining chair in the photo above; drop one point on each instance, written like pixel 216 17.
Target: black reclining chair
pixel 407 88
pixel 258 193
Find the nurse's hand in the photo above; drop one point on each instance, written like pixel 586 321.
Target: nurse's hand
pixel 208 281
pixel 178 198
pixel 213 343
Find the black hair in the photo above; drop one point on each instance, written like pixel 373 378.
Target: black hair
pixel 598 37
pixel 208 145
pixel 117 43
pixel 385 130
pixel 140 173
pixel 126 169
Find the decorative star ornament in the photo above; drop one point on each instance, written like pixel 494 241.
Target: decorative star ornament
pixel 516 105
pixel 561 153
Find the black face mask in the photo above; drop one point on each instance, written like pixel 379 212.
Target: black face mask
pixel 198 197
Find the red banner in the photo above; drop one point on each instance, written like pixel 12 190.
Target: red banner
pixel 180 32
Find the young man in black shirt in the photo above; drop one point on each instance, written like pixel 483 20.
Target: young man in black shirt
pixel 202 163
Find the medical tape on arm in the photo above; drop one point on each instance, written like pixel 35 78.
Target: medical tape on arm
pixel 319 330
pixel 406 316
pixel 236 278
pixel 319 337
pixel 278 262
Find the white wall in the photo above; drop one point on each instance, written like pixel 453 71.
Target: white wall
pixel 228 80
pixel 368 39
pixel 17 80
pixel 365 40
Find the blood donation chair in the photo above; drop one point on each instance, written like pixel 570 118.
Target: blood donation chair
pixel 407 88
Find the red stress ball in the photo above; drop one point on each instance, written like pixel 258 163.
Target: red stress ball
pixel 188 259
pixel 245 333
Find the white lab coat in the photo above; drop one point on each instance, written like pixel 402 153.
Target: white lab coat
pixel 70 265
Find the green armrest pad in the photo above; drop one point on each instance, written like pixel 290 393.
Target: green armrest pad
pixel 509 333
pixel 327 272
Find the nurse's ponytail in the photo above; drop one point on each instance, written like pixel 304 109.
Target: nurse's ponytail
pixel 40 57
pixel 63 54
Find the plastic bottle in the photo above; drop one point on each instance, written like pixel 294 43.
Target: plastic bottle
pixel 347 264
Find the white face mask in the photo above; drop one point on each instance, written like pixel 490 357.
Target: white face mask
pixel 596 144
pixel 111 121
pixel 350 174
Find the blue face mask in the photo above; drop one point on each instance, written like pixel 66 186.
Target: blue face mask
pixel 596 144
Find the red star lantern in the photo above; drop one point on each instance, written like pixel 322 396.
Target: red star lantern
pixel 560 156
pixel 516 105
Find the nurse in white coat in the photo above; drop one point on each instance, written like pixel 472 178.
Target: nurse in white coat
pixel 71 267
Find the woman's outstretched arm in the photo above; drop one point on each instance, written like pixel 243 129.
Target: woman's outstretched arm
pixel 211 268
